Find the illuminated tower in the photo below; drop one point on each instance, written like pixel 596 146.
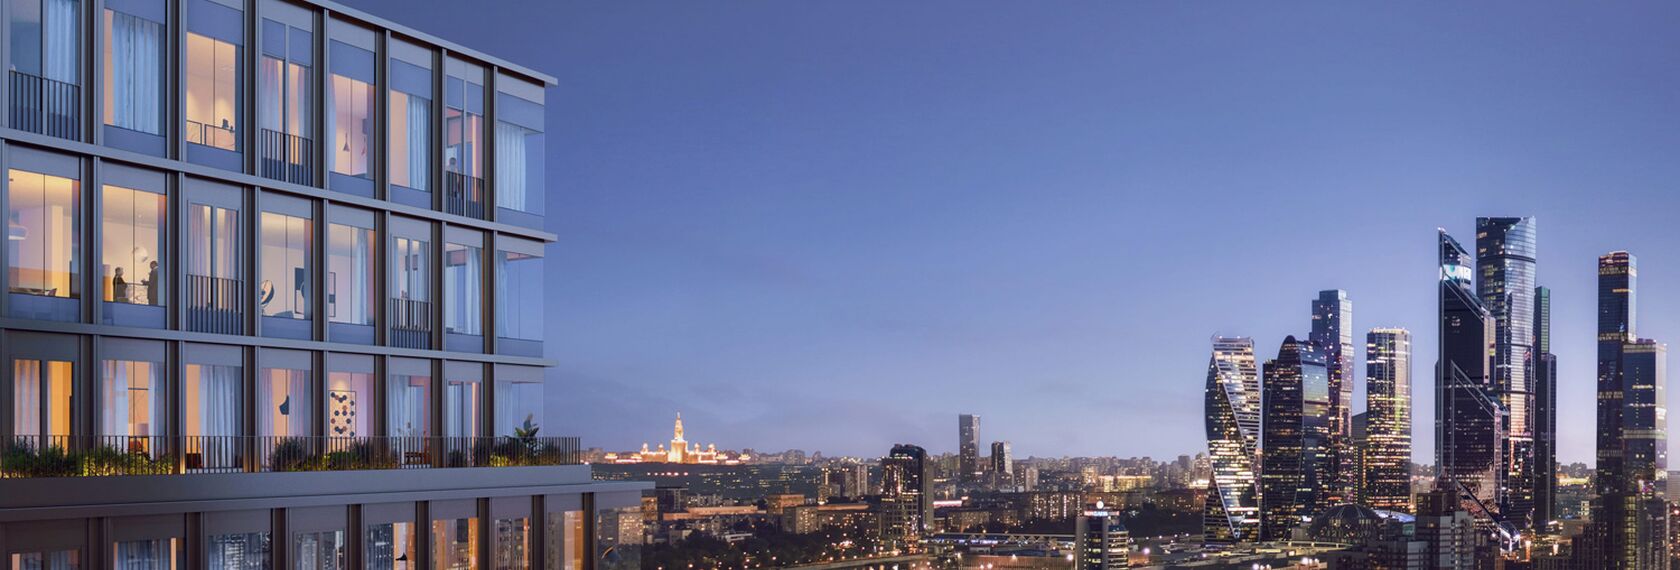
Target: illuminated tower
pixel 1294 438
pixel 968 447
pixel 1505 265
pixel 1332 331
pixel 1468 414
pixel 1388 432
pixel 1230 513
pixel 1545 411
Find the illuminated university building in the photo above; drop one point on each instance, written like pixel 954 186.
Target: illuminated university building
pixel 680 451
pixel 1231 513
pixel 273 297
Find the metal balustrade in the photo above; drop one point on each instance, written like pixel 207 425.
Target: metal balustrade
pixel 411 323
pixel 286 157
pixel 115 455
pixel 215 304
pixel 45 106
pixel 463 195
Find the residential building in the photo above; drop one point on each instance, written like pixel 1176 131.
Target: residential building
pixel 968 447
pixel 906 503
pixel 274 297
pixel 1101 541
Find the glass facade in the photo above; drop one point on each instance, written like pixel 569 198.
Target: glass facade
pixel 408 406
pixel 513 544
pixel 520 147
pixel 463 140
pixel 45 77
pixel 463 289
pixel 350 284
pixel 44 234
pixel 455 544
pixel 1231 513
pixel 155 554
pixel 135 223
pixel 520 293
pixel 243 551
pixel 284 95
pixel 350 118
pixel 390 546
pixel 135 47
pixel 287 252
pixel 410 146
pixel 566 541
pixel 133 400
pixel 215 39
pixel 322 550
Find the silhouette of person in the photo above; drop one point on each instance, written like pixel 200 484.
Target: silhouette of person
pixel 152 285
pixel 119 287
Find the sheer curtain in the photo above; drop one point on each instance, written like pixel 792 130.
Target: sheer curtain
pixel 406 406
pixel 516 401
pixel 223 400
pixel 361 285
pixel 26 397
pixel 145 555
pixel 58 31
pixel 136 72
pixel 510 166
pixel 460 408
pixel 419 127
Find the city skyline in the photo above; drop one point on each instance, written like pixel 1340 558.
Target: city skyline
pixel 1025 303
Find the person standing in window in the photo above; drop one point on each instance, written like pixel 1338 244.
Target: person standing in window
pixel 119 286
pixel 152 285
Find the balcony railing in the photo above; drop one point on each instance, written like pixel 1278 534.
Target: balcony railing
pixel 411 323
pixel 219 136
pixel 215 304
pixel 463 195
pixel 45 106
pixel 286 157
pixel 102 456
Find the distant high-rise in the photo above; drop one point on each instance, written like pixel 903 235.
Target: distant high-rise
pixel 1388 432
pixel 1629 516
pixel 1231 512
pixel 1003 464
pixel 1356 470
pixel 1295 438
pixel 968 447
pixel 1468 414
pixel 1332 331
pixel 906 505
pixel 1505 262
pixel 1545 411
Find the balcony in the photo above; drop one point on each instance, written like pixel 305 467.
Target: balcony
pixel 31 457
pixel 222 137
pixel 286 157
pixel 45 106
pixel 411 323
pixel 463 195
pixel 214 304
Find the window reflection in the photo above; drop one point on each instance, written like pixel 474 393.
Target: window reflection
pixel 565 544
pixel 248 551
pixel 155 554
pixel 43 234
pixel 463 290
pixel 390 546
pixel 519 295
pixel 135 222
pixel 455 544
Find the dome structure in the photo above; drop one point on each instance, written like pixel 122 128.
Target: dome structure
pixel 1348 523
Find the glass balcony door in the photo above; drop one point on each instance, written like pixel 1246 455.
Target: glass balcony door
pixel 215 295
pixel 44 75
pixel 285 89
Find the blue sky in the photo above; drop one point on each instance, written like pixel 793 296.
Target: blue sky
pixel 837 225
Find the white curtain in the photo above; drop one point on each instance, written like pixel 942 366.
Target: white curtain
pixel 406 406
pixel 58 31
pixel 144 555
pixel 136 72
pixel 26 397
pixel 419 133
pixel 516 401
pixel 272 89
pixel 222 400
pixel 464 280
pixel 460 409
pixel 503 325
pixel 510 166
pixel 361 282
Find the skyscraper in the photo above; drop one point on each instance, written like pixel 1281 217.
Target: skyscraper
pixel 1332 331
pixel 1231 513
pixel 1545 411
pixel 1629 517
pixel 968 447
pixel 1003 464
pixel 906 505
pixel 1505 263
pixel 1101 540
pixel 1295 437
pixel 1468 414
pixel 1388 432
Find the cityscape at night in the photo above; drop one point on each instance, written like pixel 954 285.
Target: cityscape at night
pixel 838 285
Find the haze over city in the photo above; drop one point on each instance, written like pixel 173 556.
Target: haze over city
pixel 809 226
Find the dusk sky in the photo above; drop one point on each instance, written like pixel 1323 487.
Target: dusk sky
pixel 836 225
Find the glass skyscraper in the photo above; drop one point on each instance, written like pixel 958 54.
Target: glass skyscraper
pixel 1505 263
pixel 1545 411
pixel 1231 513
pixel 968 447
pixel 1468 413
pixel 1388 424
pixel 1332 331
pixel 1295 437
pixel 1629 513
